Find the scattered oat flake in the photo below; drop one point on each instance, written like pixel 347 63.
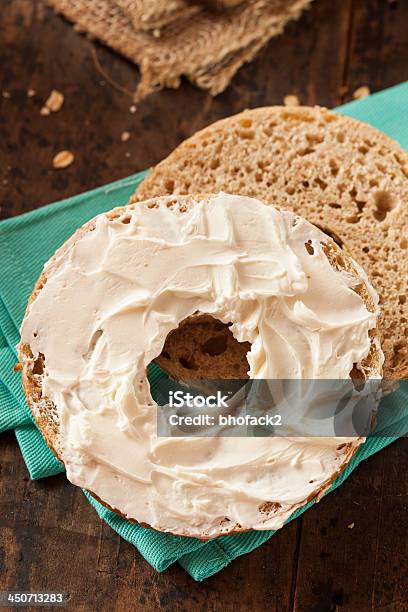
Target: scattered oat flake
pixel 132 109
pixel 63 159
pixel 125 136
pixel 361 92
pixel 351 526
pixel 291 100
pixel 55 101
pixel 45 111
pixel 31 93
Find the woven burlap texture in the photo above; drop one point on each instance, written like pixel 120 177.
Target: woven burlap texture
pixel 207 48
pixel 156 14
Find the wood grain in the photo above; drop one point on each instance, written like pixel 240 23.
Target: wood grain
pixel 378 45
pixel 50 537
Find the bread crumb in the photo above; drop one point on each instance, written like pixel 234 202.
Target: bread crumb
pixel 63 159
pixel 31 93
pixel 45 111
pixel 156 33
pixel 127 154
pixel 351 526
pixel 291 100
pixel 5 94
pixel 361 92
pixel 125 136
pixel 133 109
pixel 55 101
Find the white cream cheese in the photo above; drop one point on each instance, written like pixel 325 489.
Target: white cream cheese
pixel 104 313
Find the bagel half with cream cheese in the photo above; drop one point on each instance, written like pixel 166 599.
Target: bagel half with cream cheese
pixel 100 314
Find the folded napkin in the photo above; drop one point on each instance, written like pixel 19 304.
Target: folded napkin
pixel 26 242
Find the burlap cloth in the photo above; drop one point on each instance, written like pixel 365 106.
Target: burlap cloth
pixel 169 39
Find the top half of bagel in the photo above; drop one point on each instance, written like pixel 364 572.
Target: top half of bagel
pixel 342 175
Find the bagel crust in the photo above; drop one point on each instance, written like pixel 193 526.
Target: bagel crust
pixel 105 433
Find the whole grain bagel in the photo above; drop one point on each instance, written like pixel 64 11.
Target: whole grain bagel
pixel 81 340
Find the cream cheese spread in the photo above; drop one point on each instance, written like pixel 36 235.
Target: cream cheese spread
pixel 104 313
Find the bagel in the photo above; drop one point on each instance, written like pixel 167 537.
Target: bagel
pixel 100 313
pixel 338 173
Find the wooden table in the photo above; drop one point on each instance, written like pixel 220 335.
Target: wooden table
pixel 50 536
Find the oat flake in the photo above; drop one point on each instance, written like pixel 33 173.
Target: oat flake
pixel 63 159
pixel 291 100
pixel 55 101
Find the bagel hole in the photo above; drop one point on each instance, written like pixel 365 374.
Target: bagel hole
pixel 203 347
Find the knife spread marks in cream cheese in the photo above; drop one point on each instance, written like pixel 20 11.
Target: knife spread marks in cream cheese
pixel 104 313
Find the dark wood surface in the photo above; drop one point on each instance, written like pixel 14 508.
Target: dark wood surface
pixel 50 536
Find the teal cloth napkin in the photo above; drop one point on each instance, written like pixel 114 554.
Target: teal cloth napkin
pixel 27 241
